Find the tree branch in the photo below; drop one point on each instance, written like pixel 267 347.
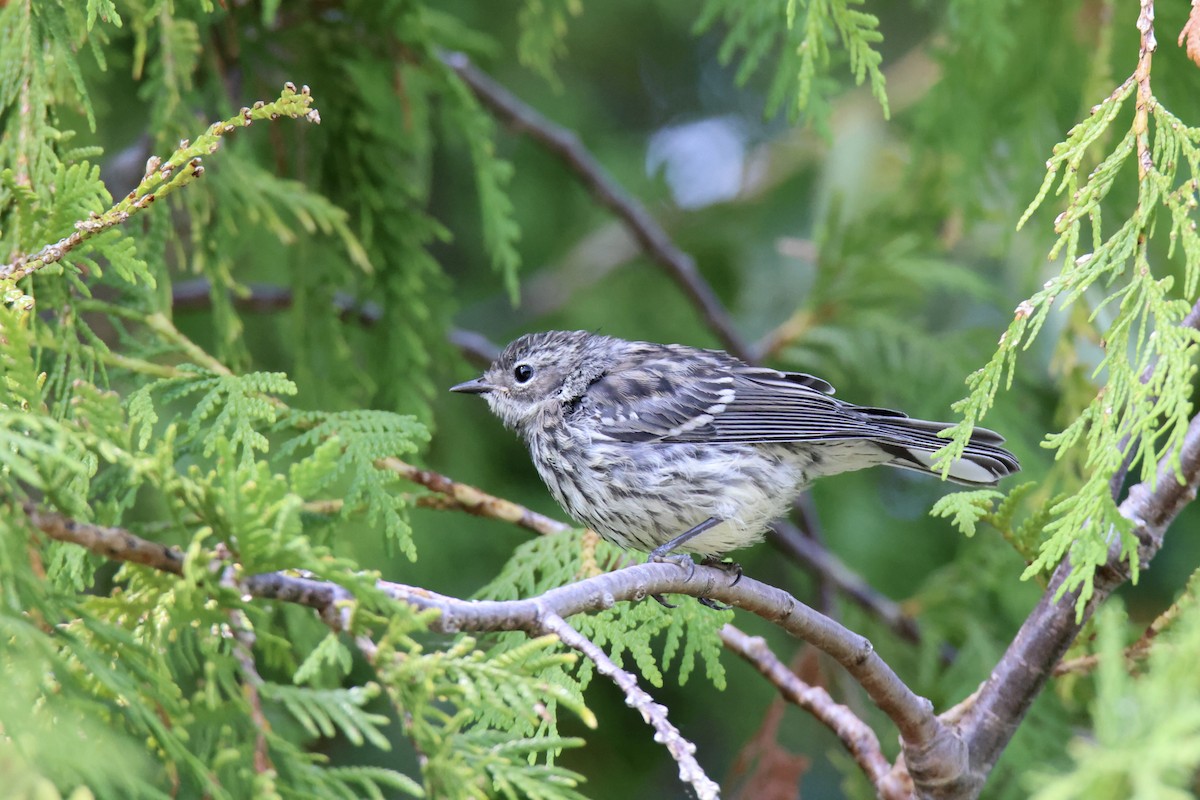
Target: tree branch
pixel 162 178
pixel 115 543
pixel 814 557
pixel 475 501
pixel 565 144
pixel 928 744
pixel 655 714
pixel 1005 697
pixel 856 736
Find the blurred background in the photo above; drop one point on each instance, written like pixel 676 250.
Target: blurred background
pixel 877 251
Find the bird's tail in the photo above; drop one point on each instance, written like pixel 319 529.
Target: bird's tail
pixel 912 442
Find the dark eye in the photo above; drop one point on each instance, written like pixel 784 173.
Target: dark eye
pixel 523 372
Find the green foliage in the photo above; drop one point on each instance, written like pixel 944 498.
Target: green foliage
pixel 967 509
pixel 198 443
pixel 346 446
pixel 652 636
pixel 1142 412
pixel 854 323
pixel 799 36
pixel 247 419
pixel 543 29
pixel 1146 742
pixel 329 712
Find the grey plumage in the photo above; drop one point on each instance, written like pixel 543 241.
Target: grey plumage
pixel 642 442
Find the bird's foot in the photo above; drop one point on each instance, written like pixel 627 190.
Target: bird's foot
pixel 728 567
pixel 713 604
pixel 678 559
pixel 662 601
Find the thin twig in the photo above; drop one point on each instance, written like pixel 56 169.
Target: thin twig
pixel 1145 97
pixel 164 327
pixel 928 744
pixel 856 736
pixel 474 500
pixel 264 298
pixel 655 714
pixel 814 557
pixel 162 178
pixel 114 543
pixel 242 633
pixel 565 144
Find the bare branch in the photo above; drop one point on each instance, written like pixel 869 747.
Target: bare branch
pixel 473 500
pixel 114 543
pixel 476 347
pixel 1005 697
pixel 683 751
pixel 929 745
pixel 855 735
pixel 813 556
pixel 650 235
pixel 930 748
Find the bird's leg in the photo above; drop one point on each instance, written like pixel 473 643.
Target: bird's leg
pixel 661 552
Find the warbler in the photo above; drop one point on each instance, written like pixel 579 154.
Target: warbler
pixel 673 449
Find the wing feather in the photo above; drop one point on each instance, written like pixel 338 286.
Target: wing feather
pixel 675 394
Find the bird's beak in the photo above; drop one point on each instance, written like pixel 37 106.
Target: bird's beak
pixel 477 386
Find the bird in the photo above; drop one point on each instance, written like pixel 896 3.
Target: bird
pixel 671 449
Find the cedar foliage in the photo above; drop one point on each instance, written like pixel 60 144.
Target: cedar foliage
pixel 142 384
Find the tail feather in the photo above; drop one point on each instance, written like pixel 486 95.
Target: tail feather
pixel 912 443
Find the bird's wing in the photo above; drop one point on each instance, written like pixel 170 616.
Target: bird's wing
pixel 718 399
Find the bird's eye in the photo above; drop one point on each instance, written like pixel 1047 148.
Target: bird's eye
pixel 523 372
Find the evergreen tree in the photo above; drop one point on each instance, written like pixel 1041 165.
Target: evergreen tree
pixel 250 548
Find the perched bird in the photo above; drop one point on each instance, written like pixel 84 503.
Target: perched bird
pixel 668 448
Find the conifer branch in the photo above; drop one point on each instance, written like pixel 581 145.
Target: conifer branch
pixel 655 241
pixel 161 178
pixel 474 501
pixel 817 559
pixel 928 744
pixel 655 714
pixel 1017 679
pixel 856 736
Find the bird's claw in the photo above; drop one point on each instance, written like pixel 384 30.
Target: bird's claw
pixel 679 560
pixel 728 567
pixel 713 604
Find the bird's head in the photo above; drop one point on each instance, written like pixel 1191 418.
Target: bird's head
pixel 539 372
